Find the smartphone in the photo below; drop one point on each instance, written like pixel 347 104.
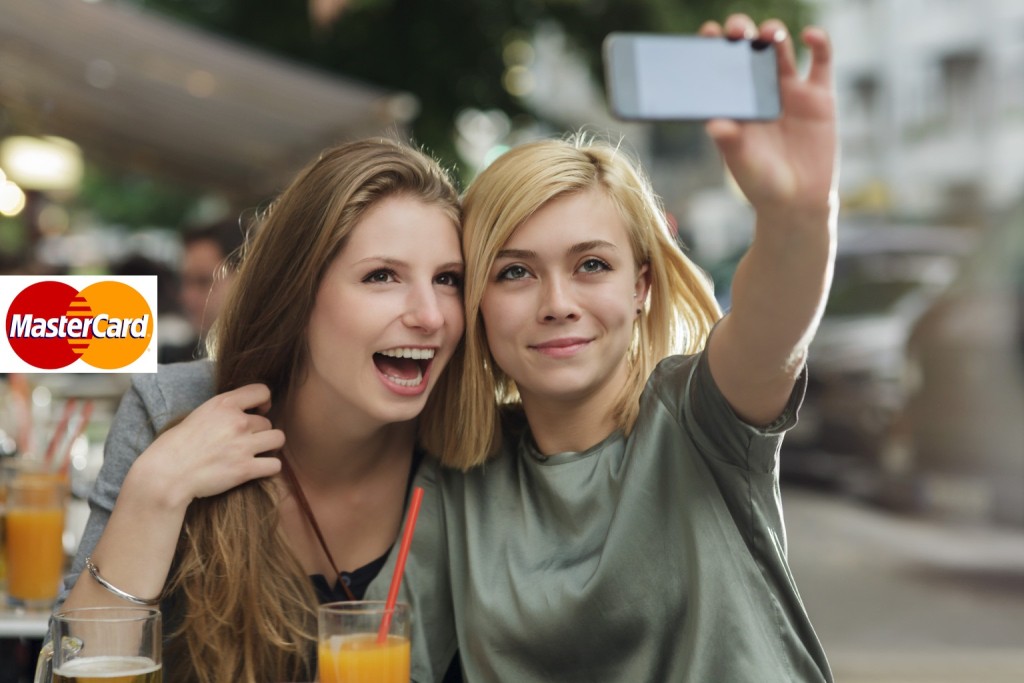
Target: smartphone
pixel 661 77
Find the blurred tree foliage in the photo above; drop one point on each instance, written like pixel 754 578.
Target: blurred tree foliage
pixel 448 53
pixel 133 200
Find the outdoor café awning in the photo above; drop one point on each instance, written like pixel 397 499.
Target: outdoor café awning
pixel 139 91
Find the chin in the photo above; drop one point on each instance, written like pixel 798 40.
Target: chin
pixel 398 414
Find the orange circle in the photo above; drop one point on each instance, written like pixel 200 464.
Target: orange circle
pixel 122 325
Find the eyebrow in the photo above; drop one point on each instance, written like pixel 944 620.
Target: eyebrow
pixel 388 261
pixel 580 248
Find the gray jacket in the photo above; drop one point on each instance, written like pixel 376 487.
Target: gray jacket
pixel 152 403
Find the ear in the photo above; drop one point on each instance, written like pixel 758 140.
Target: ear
pixel 642 285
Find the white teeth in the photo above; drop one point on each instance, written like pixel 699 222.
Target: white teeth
pixel 414 382
pixel 412 354
pixel 415 354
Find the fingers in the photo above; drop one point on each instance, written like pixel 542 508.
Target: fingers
pixel 724 132
pixel 224 439
pixel 256 423
pixel 249 397
pixel 240 471
pixel 774 32
pixel 256 467
pixel 235 462
pixel 267 441
pixel 265 467
pixel 710 29
pixel 243 463
pixel 740 27
pixel 821 56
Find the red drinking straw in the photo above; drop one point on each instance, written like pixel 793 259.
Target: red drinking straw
pixel 58 433
pixel 403 551
pixel 64 457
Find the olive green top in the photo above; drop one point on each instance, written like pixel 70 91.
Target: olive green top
pixel 658 557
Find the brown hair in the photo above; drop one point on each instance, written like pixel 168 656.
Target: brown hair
pixel 248 609
pixel 679 314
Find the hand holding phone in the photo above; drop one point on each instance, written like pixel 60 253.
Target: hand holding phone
pixel 664 77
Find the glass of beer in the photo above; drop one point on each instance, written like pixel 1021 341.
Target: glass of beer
pixel 351 649
pixel 103 645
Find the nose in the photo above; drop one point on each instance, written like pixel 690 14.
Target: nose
pixel 557 302
pixel 423 310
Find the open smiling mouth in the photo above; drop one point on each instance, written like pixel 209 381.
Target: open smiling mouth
pixel 404 366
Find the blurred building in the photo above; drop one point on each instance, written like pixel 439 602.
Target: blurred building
pixel 931 102
pixel 931 95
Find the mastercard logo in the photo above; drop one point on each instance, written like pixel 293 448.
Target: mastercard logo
pixel 108 325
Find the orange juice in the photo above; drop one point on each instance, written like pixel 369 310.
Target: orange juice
pixel 35 553
pixel 361 659
pixel 34 488
pixel 35 548
pixel 3 540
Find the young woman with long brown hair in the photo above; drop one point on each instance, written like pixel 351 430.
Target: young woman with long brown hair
pixel 243 491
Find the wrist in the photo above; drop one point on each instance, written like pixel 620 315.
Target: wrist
pixel 153 489
pixel 795 234
pixel 94 572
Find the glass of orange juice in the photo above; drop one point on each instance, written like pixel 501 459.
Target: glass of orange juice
pixel 5 472
pixel 350 647
pixel 34 530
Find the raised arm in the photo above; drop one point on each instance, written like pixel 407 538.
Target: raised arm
pixel 209 452
pixel 787 170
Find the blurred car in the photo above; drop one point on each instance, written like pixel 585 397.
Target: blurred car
pixel 957 445
pixel 885 276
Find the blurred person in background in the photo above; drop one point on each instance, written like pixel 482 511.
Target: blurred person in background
pixel 347 309
pixel 208 266
pixel 177 341
pixel 619 517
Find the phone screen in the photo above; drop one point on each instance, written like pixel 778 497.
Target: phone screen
pixel 671 77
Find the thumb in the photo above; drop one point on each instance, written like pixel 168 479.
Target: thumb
pixel 725 133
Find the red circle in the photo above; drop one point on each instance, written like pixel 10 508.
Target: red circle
pixel 43 300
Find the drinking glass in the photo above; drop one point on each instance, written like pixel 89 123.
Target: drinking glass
pixel 350 650
pixel 33 530
pixel 109 644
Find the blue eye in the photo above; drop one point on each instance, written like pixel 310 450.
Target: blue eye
pixel 513 272
pixel 594 265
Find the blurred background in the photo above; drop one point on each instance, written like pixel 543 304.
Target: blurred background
pixel 129 130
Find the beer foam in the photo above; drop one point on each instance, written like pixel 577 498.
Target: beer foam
pixel 108 667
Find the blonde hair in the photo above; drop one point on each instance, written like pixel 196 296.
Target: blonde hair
pixel 678 315
pixel 248 609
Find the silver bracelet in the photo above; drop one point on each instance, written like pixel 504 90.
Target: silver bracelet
pixel 94 571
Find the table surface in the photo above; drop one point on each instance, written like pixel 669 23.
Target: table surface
pixel 20 623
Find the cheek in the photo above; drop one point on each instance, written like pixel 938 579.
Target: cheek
pixel 499 325
pixel 339 319
pixel 322 326
pixel 454 316
pixel 489 311
pixel 504 316
pixel 614 307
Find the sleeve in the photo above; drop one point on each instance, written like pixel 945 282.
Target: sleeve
pixel 686 386
pixel 131 432
pixel 425 583
pixel 743 459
